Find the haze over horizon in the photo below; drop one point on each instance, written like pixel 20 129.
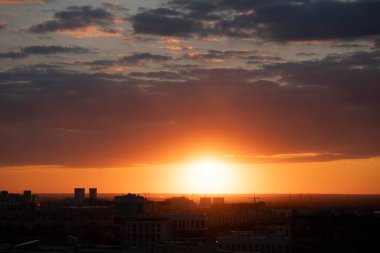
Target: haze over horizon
pixel 190 96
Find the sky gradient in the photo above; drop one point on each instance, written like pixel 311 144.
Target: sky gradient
pixel 124 95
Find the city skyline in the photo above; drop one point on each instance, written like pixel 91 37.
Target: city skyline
pixel 190 96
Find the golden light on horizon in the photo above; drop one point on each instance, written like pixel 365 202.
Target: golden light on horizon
pixel 208 176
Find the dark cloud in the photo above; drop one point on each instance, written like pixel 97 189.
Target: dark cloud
pixel 158 75
pixel 75 17
pixel 130 60
pixel 142 57
pixel 316 20
pixel 262 59
pixel 290 20
pixel 233 53
pixel 102 62
pixel 307 54
pixel 327 107
pixel 54 50
pixel 347 45
pixel 164 21
pixel 229 55
pixel 13 55
pixel 43 50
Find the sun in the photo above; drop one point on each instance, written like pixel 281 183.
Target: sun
pixel 208 176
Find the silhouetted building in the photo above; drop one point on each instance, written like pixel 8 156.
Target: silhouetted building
pixel 29 200
pixel 84 216
pixel 3 195
pixel 143 232
pixel 205 202
pixel 188 227
pixel 130 205
pixel 281 213
pixel 14 202
pixel 334 232
pixel 14 197
pixel 237 214
pixel 79 194
pixel 273 240
pixel 93 193
pixel 175 205
pixel 27 197
pixel 217 200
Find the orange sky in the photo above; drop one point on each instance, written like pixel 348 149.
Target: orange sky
pixel 127 96
pixel 344 176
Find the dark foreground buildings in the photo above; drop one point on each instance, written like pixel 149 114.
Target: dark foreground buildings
pixel 335 232
pixel 131 223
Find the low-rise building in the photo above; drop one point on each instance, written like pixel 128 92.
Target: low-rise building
pixel 237 214
pixel 143 232
pixel 188 227
pixel 274 240
pixel 130 205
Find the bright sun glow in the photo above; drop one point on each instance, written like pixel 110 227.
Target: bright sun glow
pixel 209 177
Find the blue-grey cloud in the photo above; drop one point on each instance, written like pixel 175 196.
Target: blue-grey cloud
pixel 276 20
pixel 141 57
pixel 43 50
pixel 164 22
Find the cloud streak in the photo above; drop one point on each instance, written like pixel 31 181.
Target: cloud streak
pixel 43 50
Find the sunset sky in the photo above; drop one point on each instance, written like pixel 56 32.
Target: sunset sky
pixel 181 96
